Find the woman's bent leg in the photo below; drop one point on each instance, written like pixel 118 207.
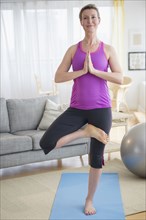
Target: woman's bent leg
pixel 61 129
pixel 88 131
pixel 66 128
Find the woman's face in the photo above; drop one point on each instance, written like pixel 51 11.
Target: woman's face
pixel 90 20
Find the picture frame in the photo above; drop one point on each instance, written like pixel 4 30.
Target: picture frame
pixel 136 40
pixel 136 60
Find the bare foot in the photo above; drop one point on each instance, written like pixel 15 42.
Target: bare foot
pixel 100 135
pixel 89 209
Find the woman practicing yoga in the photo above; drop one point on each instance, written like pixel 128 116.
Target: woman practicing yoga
pixel 89 114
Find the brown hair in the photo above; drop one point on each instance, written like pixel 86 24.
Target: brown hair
pixel 89 6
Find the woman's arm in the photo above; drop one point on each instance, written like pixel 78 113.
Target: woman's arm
pixel 115 76
pixel 62 74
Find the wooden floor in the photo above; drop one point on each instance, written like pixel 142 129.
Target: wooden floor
pixel 140 216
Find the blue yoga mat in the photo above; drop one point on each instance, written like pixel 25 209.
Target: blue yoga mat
pixel 71 193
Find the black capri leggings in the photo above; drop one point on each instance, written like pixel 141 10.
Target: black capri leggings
pixel 72 120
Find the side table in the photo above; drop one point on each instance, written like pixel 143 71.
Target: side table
pixel 118 119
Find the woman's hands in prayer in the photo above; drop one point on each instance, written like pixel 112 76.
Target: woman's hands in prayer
pixel 88 65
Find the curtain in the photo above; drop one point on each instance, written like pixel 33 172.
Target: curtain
pixel 34 37
pixel 118 29
pixel 32 44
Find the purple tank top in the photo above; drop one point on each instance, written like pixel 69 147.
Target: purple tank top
pixel 89 91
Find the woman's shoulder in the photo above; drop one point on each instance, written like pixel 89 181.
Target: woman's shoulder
pixel 72 49
pixel 108 49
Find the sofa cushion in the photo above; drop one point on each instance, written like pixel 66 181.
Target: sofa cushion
pixel 35 135
pixel 25 114
pixel 10 143
pixel 4 119
pixel 51 112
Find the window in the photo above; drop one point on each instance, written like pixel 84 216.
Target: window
pixel 34 39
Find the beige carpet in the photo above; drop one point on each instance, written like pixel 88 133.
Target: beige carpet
pixel 31 197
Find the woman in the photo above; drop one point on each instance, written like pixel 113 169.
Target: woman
pixel 90 103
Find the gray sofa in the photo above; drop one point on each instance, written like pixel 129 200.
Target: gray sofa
pixel 20 136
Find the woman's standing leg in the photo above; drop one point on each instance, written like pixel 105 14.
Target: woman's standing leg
pixel 101 119
pixel 94 177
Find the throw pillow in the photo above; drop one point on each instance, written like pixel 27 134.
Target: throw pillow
pixel 51 112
